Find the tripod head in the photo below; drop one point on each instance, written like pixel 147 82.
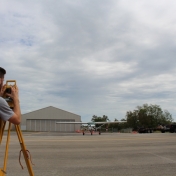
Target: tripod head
pixel 9 100
pixel 9 84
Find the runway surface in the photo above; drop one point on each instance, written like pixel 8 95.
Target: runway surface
pixel 112 154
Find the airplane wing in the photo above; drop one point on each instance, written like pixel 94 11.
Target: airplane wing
pixel 109 122
pixel 90 122
pixel 72 122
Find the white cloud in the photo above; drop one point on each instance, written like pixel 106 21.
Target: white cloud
pixel 101 58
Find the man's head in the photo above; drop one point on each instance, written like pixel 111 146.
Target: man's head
pixel 2 73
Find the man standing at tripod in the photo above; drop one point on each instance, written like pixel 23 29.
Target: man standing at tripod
pixel 6 113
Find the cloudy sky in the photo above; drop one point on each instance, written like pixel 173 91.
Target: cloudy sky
pixel 90 57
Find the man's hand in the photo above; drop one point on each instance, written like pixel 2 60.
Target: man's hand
pixel 16 118
pixel 2 90
pixel 14 93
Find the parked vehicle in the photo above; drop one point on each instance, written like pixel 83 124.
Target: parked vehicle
pixel 145 130
pixel 172 128
pixel 163 128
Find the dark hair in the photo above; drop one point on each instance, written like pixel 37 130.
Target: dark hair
pixel 2 72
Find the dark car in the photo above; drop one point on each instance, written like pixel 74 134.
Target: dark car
pixel 173 128
pixel 145 130
pixel 165 128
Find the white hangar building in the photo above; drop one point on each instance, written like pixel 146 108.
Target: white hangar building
pixel 45 120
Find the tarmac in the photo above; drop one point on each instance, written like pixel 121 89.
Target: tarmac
pixel 112 154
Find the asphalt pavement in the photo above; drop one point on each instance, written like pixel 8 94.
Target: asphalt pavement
pixel 112 154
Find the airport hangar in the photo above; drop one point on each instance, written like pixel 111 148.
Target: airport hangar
pixel 45 120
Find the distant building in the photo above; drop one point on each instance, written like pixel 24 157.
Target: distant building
pixel 45 120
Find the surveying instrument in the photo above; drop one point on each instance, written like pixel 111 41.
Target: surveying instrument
pixel 25 152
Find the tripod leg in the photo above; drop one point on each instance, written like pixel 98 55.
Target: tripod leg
pixel 23 148
pixel 3 170
pixel 2 127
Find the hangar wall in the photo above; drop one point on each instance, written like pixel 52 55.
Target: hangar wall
pixel 45 120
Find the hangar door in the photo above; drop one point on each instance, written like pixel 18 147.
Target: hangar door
pixel 49 125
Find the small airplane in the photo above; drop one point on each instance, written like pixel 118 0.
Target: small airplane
pixel 91 125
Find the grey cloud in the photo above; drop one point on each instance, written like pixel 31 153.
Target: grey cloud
pixel 89 57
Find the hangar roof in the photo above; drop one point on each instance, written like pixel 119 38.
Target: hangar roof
pixel 50 107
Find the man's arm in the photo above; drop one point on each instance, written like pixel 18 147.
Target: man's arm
pixel 16 118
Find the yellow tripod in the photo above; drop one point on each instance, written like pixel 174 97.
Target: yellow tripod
pixel 23 148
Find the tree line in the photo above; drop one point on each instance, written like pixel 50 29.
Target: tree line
pixel 149 116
